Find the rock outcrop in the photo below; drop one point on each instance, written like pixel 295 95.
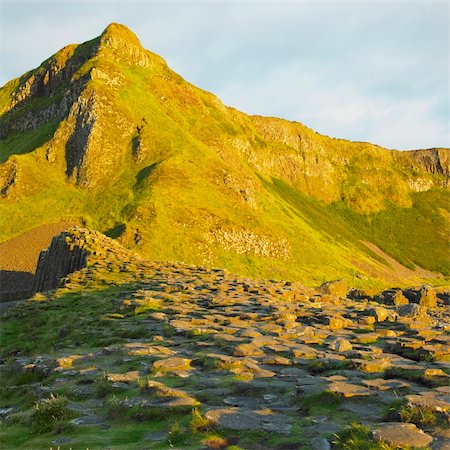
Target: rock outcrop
pixel 62 257
pixel 75 249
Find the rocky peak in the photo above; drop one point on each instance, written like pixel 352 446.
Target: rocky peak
pixel 116 35
pixel 124 45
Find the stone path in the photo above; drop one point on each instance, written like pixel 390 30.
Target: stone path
pixel 258 355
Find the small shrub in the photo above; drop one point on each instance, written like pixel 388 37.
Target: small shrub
pixel 141 413
pixel 143 383
pixel 205 362
pixel 50 411
pixel 177 434
pixel 11 375
pixel 115 410
pixel 149 305
pixel 319 366
pixel 168 330
pixel 138 332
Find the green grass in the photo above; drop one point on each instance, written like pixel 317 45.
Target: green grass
pixel 79 312
pixel 24 142
pixel 323 403
pixel 401 411
pixel 358 437
pixel 319 216
pixel 413 236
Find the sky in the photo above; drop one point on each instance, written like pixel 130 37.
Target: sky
pixel 374 71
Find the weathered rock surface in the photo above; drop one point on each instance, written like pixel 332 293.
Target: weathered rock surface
pixel 402 434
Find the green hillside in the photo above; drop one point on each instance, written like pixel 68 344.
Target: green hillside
pixel 107 135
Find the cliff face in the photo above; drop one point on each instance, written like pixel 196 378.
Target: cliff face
pixel 81 93
pixel 105 133
pixel 63 257
pixel 73 90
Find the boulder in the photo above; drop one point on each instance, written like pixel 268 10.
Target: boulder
pixel 336 288
pixel 341 345
pixel 413 311
pixel 427 297
pixel 394 297
pixel 380 314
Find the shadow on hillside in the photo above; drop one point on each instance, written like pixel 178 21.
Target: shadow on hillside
pixel 15 285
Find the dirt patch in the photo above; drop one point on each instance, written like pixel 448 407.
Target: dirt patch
pixel 19 255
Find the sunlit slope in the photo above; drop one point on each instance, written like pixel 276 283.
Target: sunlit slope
pixel 105 134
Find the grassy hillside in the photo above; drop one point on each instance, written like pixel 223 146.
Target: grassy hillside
pixel 120 143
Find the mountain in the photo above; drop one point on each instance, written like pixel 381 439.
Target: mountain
pixel 104 134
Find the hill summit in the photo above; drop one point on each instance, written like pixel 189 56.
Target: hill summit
pixel 106 135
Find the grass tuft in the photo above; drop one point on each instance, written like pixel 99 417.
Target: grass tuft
pixel 49 413
pixel 358 437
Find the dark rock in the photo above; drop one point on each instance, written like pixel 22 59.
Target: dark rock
pixel 57 261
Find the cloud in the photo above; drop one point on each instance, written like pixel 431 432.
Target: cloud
pixel 372 71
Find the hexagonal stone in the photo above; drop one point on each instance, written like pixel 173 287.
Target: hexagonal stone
pixel 233 419
pixel 336 288
pixel 381 384
pixel 248 350
pixel 380 314
pixel 402 435
pixel 427 297
pixel 127 377
pixel 341 345
pixel 336 323
pixel 371 366
pixel 349 390
pixel 275 360
pixel 428 402
pixel 172 365
pixel 304 351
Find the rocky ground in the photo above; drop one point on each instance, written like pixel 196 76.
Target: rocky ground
pixel 133 354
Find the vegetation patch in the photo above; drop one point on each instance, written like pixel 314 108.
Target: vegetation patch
pixel 50 412
pixel 317 403
pixel 358 437
pixel 401 411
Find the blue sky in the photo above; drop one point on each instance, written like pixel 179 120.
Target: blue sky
pixel 372 71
